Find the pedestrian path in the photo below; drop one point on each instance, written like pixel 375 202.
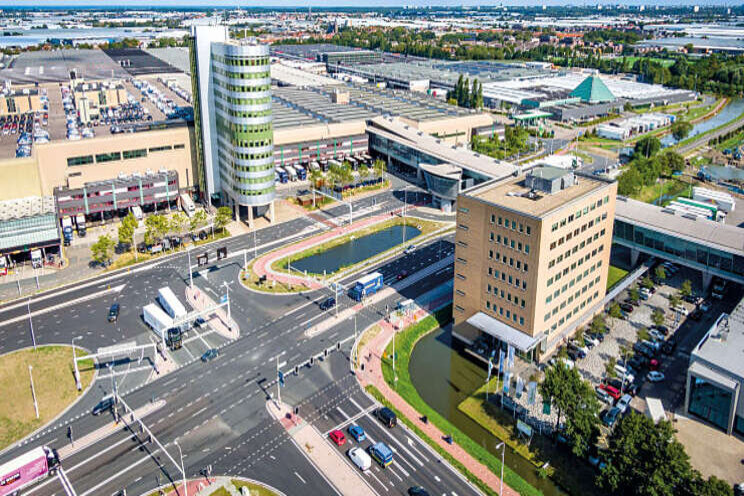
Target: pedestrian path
pixel 371 374
pixel 217 320
pixel 329 462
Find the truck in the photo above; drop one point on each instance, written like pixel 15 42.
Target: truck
pixel 80 223
pixel 27 469
pixel 381 454
pixel 171 304
pixel 283 177
pixel 291 172
pixel 67 230
pixel 157 319
pixel 174 338
pixel 187 205
pixel 3 266
pixel 301 172
pixel 37 261
pixel 367 285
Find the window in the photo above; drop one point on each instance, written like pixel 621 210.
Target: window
pixel 161 148
pixel 490 237
pixel 488 304
pixel 462 260
pixel 488 289
pixel 527 249
pixel 521 321
pixel 528 230
pixel 127 154
pixel 493 218
pixel 521 227
pixel 461 293
pixel 460 276
pixel 490 254
pixel 459 308
pixel 490 271
pixel 179 146
pixel 500 220
pixel 554 228
pixel 514 225
pixel 526 268
pixel 519 246
pixel 107 157
pixel 83 160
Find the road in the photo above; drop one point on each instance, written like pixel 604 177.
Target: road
pixel 216 410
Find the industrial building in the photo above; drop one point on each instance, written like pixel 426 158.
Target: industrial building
pixel 715 376
pixel 531 258
pixel 625 128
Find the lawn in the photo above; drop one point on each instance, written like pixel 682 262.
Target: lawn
pixel 405 341
pixel 668 190
pixel 54 383
pixel 614 276
pixel 255 489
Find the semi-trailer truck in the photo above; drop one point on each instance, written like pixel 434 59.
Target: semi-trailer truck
pixel 80 223
pixel 156 318
pixel 367 285
pixel 27 469
pixel 171 304
pixel 67 230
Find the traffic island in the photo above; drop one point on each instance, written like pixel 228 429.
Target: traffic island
pixel 218 486
pixel 51 370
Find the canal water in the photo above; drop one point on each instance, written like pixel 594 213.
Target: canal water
pixel 356 250
pixel 727 114
pixel 444 378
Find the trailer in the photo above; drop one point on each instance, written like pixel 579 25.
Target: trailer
pixel 722 200
pixel 80 223
pixel 171 304
pixel 67 230
pixel 292 173
pixel 367 285
pixel 283 177
pixel 713 209
pixel 187 205
pixel 27 469
pixel 157 319
pixel 301 172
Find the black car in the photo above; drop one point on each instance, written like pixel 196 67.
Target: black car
pixel 417 491
pixel 626 307
pixel 637 362
pixel 103 405
pixel 387 416
pixel 113 314
pixel 697 314
pixel 661 328
pixel 669 346
pixel 596 335
pixel 328 303
pixel 630 388
pixel 210 355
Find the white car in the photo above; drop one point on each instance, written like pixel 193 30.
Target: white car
pixel 410 249
pixel 360 458
pixel 623 403
pixel 682 310
pixel 655 376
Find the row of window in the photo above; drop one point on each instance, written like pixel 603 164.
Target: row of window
pixel 586 258
pixel 517 264
pixel 505 313
pixel 246 61
pixel 101 158
pixel 572 297
pixel 511 224
pixel 568 237
pixel 245 89
pixel 258 143
pixel 573 312
pixel 509 243
pixel 241 75
pixel 506 295
pixel 245 114
pixel 245 192
pixel 508 278
pixel 576 232
pixel 579 213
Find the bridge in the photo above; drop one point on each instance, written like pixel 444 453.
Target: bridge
pixel 713 248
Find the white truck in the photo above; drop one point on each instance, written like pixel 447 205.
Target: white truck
pixel 171 304
pixel 187 205
pixel 157 319
pixel 37 261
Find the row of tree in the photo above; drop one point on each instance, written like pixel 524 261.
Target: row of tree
pixel 342 175
pixel 648 165
pixel 466 95
pixel 515 142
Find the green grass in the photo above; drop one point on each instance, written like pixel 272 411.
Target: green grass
pixel 254 488
pixel 669 189
pixel 54 383
pixel 405 341
pixel 615 275
pixel 220 492
pixel 732 142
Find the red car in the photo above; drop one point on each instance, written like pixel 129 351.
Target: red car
pixel 654 364
pixel 337 437
pixel 613 392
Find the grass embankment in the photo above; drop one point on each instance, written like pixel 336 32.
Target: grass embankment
pixel 668 190
pixel 54 383
pixel 614 276
pixel 255 489
pixel 405 342
pixel 324 201
pixel 250 279
pixel 425 226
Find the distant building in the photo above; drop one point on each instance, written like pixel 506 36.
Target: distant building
pixel 531 259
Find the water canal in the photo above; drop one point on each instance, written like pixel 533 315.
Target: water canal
pixel 356 250
pixel 730 112
pixel 443 378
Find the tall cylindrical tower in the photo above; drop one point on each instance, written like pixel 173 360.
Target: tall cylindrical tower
pixel 241 82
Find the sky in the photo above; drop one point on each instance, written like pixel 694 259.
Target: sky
pixel 337 3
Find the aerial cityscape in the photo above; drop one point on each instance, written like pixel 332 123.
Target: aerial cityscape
pixel 371 249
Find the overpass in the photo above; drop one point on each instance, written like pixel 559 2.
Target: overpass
pixel 713 248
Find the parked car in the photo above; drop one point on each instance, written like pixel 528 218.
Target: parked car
pixel 629 387
pixel 603 396
pixel 623 403
pixel 337 437
pixel 609 417
pixel 580 350
pixel 417 491
pixel 626 307
pixel 402 275
pixel 661 328
pixel 656 335
pixel 357 433
pixel 360 458
pixel 681 310
pixel 705 306
pixel 596 335
pixel 637 362
pixel 410 249
pixel 105 404
pixel 210 355
pixel 655 376
pixel 669 346
pixel 611 391
pixel 631 302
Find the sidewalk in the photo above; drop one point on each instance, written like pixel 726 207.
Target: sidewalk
pixel 217 320
pixel 328 461
pixel 372 375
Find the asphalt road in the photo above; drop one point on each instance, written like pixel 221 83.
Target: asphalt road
pixel 215 410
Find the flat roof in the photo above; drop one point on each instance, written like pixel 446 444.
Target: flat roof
pixel 723 345
pixel 28 231
pixel 508 193
pixel 713 234
pixel 504 332
pixel 55 66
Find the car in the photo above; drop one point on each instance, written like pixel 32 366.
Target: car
pixel 113 313
pixel 596 335
pixel 739 489
pixel 629 387
pixel 637 362
pixel 210 355
pixel 574 355
pixel 410 249
pixel 661 328
pixel 696 314
pixel 654 364
pixel 582 350
pixel 609 417
pixel 360 458
pixel 590 340
pixel 417 491
pixel 328 303
pixel 681 310
pixel 655 376
pixel 705 306
pixel 611 391
pixel 402 275
pixel 357 433
pixel 623 403
pixel 386 416
pixel 656 335
pixel 644 350
pixel 105 404
pixel 631 302
pixel 603 396
pixel 337 437
pixel 669 346
pixel 626 307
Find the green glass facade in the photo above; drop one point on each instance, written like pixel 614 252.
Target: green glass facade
pixel 241 82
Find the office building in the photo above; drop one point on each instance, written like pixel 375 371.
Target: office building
pixel 232 111
pixel 715 376
pixel 531 258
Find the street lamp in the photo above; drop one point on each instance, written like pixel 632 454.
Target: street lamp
pixel 74 360
pixel 183 472
pixel 227 293
pixel 33 391
pixel 502 446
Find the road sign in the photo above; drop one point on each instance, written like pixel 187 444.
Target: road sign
pixel 202 259
pixel 223 299
pixel 221 253
pixel 281 378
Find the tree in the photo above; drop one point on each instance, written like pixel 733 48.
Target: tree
pixel 647 283
pixel 198 220
pixel 648 146
pixel 686 288
pixel 658 317
pixel 157 226
pixel 671 161
pixel 711 487
pixel 615 311
pixel 646 457
pixel 102 249
pixel 222 217
pixel 660 273
pixel 598 324
pixel 126 230
pixel 610 367
pixel 634 294
pixel 674 300
pixel 380 167
pixel 575 400
pixel 363 172
pixel 579 337
pixel 179 222
pixel 681 129
pixel 643 334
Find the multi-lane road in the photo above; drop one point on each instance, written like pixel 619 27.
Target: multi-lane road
pixel 216 411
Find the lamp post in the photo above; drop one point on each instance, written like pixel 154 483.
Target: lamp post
pixel 227 293
pixel 74 360
pixel 33 391
pixel 502 447
pixel 183 472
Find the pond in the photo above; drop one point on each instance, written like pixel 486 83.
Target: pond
pixel 444 378
pixel 727 114
pixel 356 250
